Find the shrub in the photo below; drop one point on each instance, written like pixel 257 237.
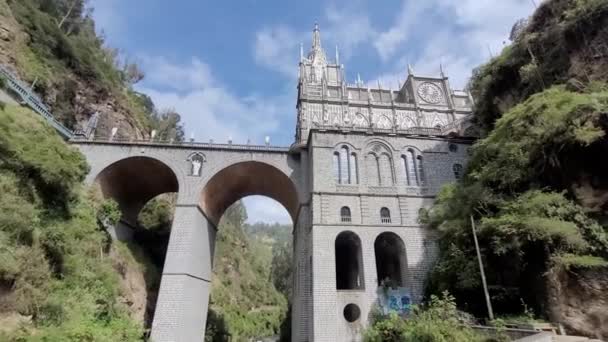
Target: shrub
pixel 436 322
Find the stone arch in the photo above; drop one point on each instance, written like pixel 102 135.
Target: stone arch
pixel 245 179
pixel 391 260
pixel 370 143
pixel 384 122
pixel 349 262
pixel 133 181
pixel 360 120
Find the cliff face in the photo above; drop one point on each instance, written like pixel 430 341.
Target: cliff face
pixel 577 298
pixel 72 70
pixel 536 183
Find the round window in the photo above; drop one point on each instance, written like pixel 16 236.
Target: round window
pixel 453 147
pixel 352 312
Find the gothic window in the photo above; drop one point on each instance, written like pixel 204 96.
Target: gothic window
pixel 386 170
pixel 354 170
pixel 391 264
pixel 410 163
pixel 345 166
pixel 385 215
pixel 373 170
pixel 457 168
pixel 349 262
pixel 337 170
pixel 345 169
pixel 345 215
pixel 421 175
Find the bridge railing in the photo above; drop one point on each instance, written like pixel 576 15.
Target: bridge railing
pixel 194 144
pixel 32 100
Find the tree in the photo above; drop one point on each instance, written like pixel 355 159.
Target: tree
pixel 518 28
pixel 132 73
pixel 281 267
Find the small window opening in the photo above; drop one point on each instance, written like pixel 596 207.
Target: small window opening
pixel 345 215
pixel 352 312
pixel 385 215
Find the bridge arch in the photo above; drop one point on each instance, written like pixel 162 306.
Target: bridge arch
pixel 133 181
pixel 245 179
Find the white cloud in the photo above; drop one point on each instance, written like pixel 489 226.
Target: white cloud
pixel 406 23
pixel 475 28
pixel 264 209
pixel 163 73
pixel 209 109
pixel 277 49
pixel 348 28
pixel 107 19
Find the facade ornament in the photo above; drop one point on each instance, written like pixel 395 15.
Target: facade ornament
pixel 410 70
pixel 370 97
pixel 196 164
pixel 113 132
pixel 301 52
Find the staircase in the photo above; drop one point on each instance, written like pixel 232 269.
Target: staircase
pixel 33 101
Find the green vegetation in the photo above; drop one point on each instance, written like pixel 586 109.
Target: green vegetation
pixel 54 265
pixel 68 60
pixel 243 297
pixel 535 181
pixel 562 43
pixel 438 321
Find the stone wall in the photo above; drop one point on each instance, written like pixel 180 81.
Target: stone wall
pixel 365 201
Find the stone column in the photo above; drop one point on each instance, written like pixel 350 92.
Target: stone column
pixel 181 308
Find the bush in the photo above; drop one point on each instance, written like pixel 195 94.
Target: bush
pixel 436 322
pixel 51 251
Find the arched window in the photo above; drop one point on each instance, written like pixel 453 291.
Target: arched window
pixel 354 170
pixel 412 176
pixel 457 168
pixel 391 263
pixel 345 169
pixel 386 170
pixel 373 170
pixel 345 215
pixel 385 215
pixel 337 167
pixel 421 175
pixel 349 262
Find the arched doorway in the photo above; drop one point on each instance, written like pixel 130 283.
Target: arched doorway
pixel 391 262
pixel 349 262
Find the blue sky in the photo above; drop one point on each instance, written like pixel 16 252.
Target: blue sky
pixel 230 67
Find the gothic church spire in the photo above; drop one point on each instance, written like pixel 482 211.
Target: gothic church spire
pixel 317 54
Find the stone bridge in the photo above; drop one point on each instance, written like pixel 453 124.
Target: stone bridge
pixel 208 178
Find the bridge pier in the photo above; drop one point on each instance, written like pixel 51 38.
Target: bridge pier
pixel 181 308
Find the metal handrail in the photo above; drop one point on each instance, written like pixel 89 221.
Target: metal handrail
pixel 34 102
